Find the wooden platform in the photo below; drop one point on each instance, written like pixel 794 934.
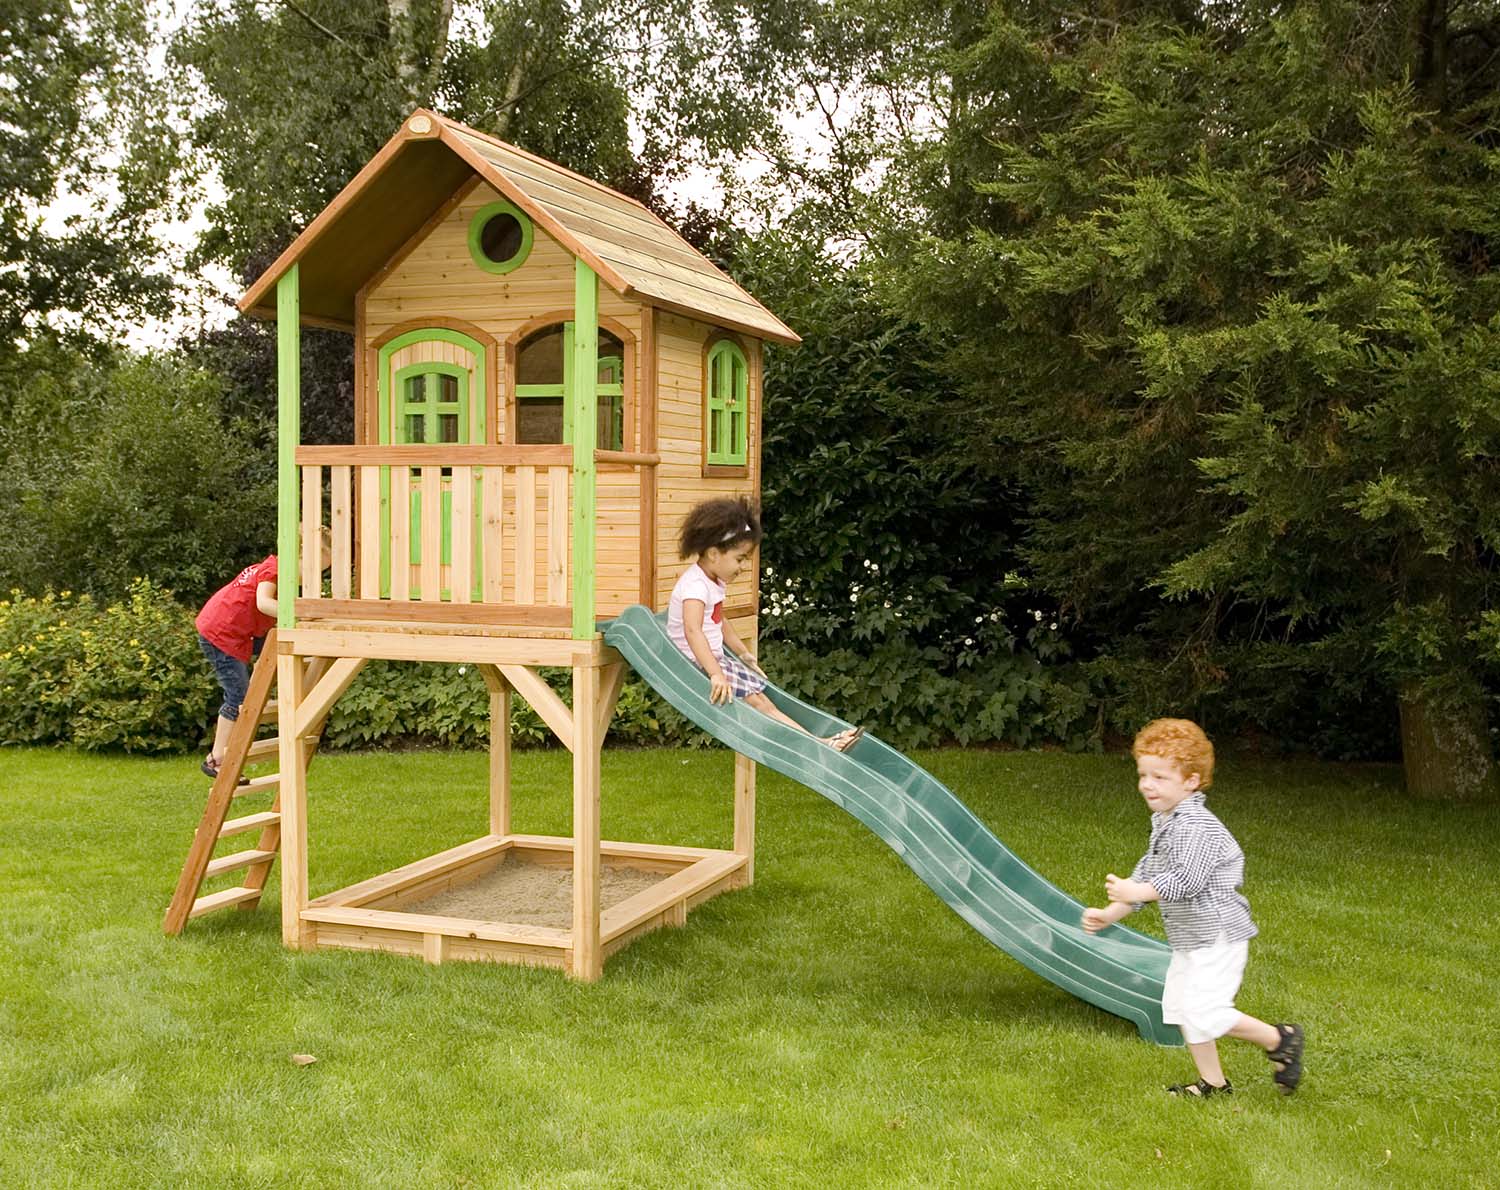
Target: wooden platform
pixel 369 915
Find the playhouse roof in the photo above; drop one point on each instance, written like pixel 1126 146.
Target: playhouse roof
pixel 420 169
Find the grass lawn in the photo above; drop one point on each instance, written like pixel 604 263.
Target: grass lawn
pixel 834 1025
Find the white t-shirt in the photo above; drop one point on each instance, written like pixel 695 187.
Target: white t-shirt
pixel 695 584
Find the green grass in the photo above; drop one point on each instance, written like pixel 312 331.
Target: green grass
pixel 834 1025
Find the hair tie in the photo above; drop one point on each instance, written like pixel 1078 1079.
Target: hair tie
pixel 747 531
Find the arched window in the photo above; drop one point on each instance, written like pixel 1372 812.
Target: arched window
pixel 544 363
pixel 727 405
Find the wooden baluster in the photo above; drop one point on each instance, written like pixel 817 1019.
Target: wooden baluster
pixel 341 524
pixel 525 535
pixel 558 524
pixel 492 544
pixel 400 533
pixel 432 534
pixel 369 532
pixel 312 521
pixel 461 571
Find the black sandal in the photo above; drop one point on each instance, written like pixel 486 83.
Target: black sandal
pixel 1201 1089
pixel 1287 1059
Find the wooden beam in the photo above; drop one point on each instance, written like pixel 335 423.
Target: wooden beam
pixel 649 445
pixel 499 749
pixel 410 643
pixel 318 702
pixel 293 798
pixel 545 701
pixel 744 813
pixel 588 957
pixel 612 681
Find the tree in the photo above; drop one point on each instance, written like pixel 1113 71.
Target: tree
pixel 123 468
pixel 74 115
pixel 1218 283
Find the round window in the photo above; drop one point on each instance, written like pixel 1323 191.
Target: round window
pixel 499 237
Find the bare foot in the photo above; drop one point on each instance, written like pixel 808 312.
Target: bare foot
pixel 845 739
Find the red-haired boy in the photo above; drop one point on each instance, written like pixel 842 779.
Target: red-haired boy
pixel 1194 868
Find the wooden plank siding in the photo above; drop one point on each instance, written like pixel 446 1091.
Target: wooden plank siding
pixel 680 482
pixel 436 280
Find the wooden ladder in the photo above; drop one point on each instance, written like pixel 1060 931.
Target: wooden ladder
pixel 243 749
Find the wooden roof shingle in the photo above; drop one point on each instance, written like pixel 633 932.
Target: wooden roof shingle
pixel 421 167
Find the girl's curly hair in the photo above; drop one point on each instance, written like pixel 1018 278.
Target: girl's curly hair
pixel 719 524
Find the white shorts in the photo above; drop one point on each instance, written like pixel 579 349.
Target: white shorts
pixel 1199 992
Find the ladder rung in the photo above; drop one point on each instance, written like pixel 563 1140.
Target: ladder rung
pixel 271 711
pixel 263 750
pixel 258 785
pixel 231 863
pixel 250 822
pixel 220 900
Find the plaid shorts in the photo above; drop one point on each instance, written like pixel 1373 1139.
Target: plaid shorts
pixel 743 680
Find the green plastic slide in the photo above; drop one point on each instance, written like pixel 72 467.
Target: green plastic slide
pixel 921 820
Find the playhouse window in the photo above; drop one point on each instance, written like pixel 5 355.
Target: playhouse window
pixel 543 365
pixel 434 403
pixel 499 237
pixel 728 404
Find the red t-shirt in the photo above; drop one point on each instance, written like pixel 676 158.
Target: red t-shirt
pixel 230 620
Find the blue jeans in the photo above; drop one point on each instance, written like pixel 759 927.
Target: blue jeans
pixel 233 675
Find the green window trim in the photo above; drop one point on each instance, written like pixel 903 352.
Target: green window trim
pixel 476 234
pixel 727 418
pixel 612 390
pixel 394 412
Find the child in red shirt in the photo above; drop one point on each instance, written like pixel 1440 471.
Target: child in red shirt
pixel 230 627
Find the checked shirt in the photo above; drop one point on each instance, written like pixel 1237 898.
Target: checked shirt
pixel 1196 868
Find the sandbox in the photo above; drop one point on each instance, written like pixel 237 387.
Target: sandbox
pixel 510 899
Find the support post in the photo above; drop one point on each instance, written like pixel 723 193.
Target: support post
pixel 588 958
pixel 293 798
pixel 288 434
pixel 583 402
pixel 744 814
pixel 499 749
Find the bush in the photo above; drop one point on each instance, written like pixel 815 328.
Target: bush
pixel 128 467
pixel 430 703
pixel 128 676
pixel 898 691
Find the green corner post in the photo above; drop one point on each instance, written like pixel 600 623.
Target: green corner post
pixel 583 404
pixel 288 434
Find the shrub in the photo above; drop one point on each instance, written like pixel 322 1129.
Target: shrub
pixel 126 676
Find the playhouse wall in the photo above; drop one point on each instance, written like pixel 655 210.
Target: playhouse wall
pixel 437 280
pixel 681 483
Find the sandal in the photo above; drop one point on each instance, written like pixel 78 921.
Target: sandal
pixel 1287 1059
pixel 850 737
pixel 212 772
pixel 1201 1089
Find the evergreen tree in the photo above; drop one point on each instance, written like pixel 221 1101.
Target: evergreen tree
pixel 1220 288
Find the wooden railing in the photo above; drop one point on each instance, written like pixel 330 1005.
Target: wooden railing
pixel 458 534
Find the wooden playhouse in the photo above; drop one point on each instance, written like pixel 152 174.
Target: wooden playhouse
pixel 546 378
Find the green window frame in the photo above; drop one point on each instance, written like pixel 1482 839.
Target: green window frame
pixel 727 417
pixel 477 227
pixel 611 393
pixel 419 394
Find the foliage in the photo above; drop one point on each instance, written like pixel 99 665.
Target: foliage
pixel 130 677
pixel 124 468
pixel 906 695
pixel 1216 292
pixel 74 115
pixel 427 703
pixel 124 677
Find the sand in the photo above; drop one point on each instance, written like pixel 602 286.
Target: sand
pixel 530 894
